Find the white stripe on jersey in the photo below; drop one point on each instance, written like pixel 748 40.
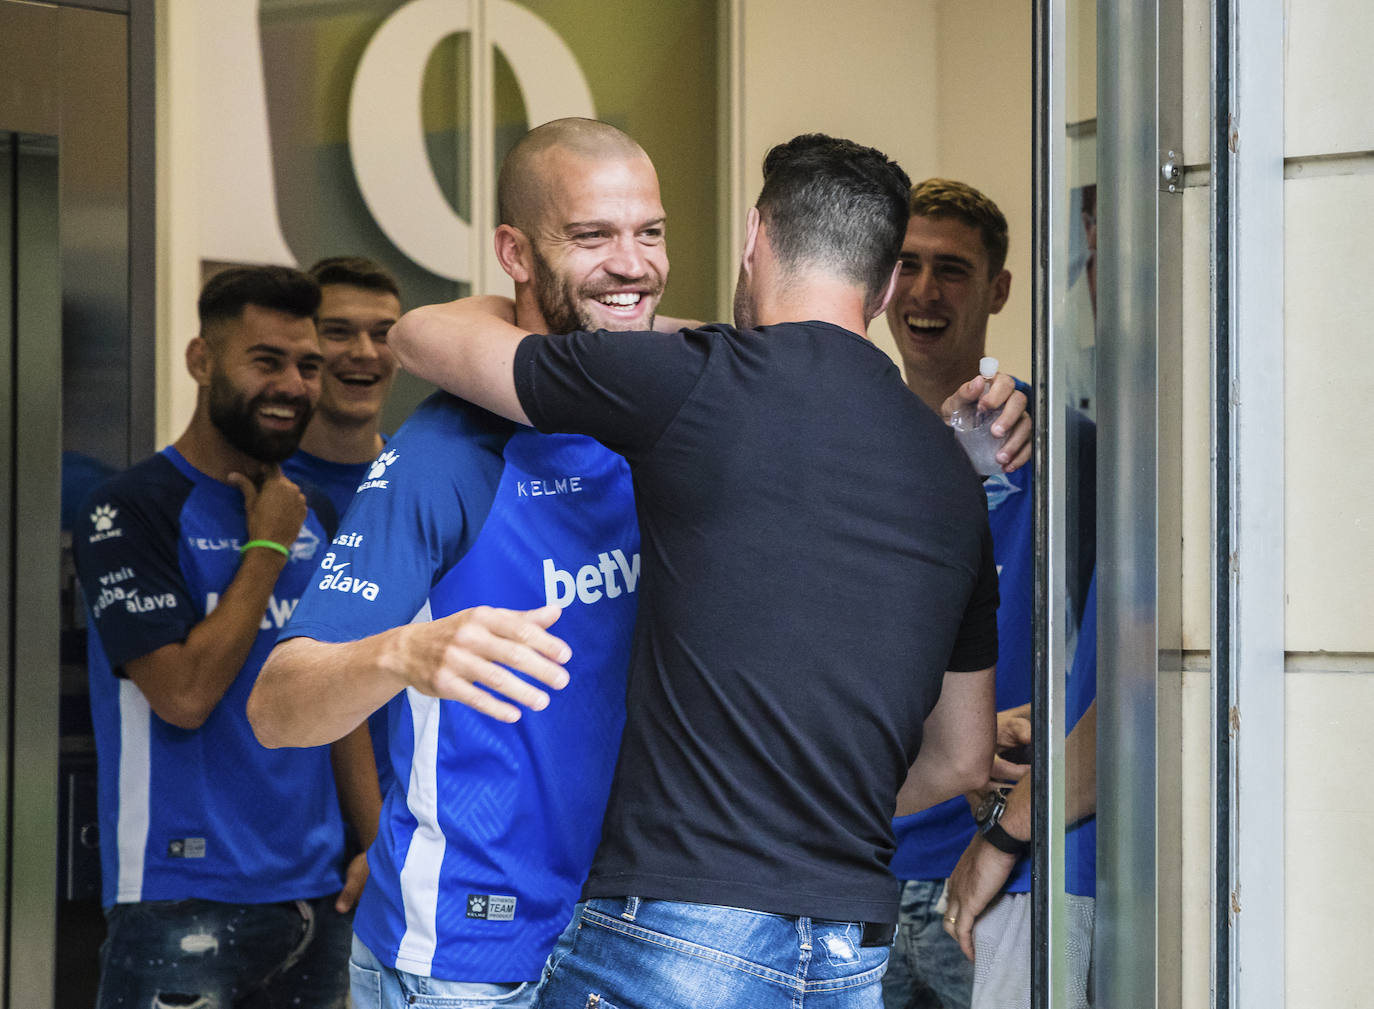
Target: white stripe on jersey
pixel 425 856
pixel 134 772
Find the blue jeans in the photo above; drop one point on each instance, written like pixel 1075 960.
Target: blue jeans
pixel 629 953
pixel 928 970
pixel 209 955
pixel 377 986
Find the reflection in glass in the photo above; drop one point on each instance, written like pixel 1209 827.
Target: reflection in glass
pixel 1076 338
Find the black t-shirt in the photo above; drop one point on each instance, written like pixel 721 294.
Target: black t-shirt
pixel 815 556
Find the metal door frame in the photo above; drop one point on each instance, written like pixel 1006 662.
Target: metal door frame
pixel 1136 950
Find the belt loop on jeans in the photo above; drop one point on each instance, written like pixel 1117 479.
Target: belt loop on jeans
pixel 631 908
pixel 877 933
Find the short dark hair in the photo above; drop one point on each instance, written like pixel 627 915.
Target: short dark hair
pixel 225 295
pixel 355 271
pixel 836 204
pixel 943 199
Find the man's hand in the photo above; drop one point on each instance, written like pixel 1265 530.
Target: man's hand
pixel 1013 427
pixel 468 657
pixel 354 881
pixel 979 876
pixel 1013 732
pixel 275 510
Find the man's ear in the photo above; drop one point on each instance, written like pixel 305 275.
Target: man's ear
pixel 753 223
pixel 1001 290
pixel 514 253
pixel 888 291
pixel 200 360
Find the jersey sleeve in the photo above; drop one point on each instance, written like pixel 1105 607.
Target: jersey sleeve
pixel 413 517
pixel 975 647
pixel 128 564
pixel 623 389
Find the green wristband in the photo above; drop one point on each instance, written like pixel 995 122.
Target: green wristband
pixel 269 544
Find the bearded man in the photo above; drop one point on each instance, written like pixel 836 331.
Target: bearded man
pixel 222 861
pixel 471 536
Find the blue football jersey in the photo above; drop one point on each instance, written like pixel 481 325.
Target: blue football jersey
pixel 488 831
pixel 339 481
pixel 208 812
pixel 930 842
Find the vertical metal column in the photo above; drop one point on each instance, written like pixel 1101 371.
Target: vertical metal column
pixel 1248 504
pixel 1139 444
pixel 37 501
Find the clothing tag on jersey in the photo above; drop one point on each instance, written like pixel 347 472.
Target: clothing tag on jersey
pixel 491 907
pixel 186 847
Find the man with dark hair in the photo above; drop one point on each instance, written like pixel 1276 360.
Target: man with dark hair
pixel 220 859
pixel 953 277
pixel 816 631
pixel 359 302
pixel 488 830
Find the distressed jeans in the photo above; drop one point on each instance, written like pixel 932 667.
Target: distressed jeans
pixel 202 954
pixel 628 953
pixel 927 969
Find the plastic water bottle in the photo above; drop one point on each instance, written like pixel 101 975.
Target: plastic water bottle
pixel 973 427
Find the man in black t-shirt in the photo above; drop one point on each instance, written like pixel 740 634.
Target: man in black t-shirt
pixel 817 627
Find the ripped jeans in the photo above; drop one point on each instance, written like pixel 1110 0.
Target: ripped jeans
pixel 628 953
pixel 202 954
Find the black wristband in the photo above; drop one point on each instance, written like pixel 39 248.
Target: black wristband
pixel 1002 841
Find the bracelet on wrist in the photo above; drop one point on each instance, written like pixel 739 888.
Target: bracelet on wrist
pixel 266 545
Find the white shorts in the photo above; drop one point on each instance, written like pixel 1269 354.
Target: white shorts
pixel 1002 949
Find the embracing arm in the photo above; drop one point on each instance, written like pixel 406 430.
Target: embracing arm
pixel 957 744
pixel 466 347
pixel 314 692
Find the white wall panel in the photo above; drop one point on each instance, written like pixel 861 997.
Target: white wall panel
pixel 1329 305
pixel 1330 818
pixel 1329 77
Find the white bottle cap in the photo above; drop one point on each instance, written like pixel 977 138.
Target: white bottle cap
pixel 987 367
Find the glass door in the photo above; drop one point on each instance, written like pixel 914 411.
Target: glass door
pixel 1108 207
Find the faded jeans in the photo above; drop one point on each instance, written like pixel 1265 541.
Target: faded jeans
pixel 628 953
pixel 209 955
pixel 927 969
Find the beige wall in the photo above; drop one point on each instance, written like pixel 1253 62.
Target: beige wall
pixel 1329 541
pixel 942 86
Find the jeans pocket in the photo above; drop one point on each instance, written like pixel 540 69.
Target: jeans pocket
pixel 518 997
pixel 365 986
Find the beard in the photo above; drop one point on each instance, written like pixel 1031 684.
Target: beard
pixel 235 417
pixel 745 316
pixel 562 306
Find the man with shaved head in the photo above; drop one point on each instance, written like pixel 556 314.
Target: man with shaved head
pixel 471 535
